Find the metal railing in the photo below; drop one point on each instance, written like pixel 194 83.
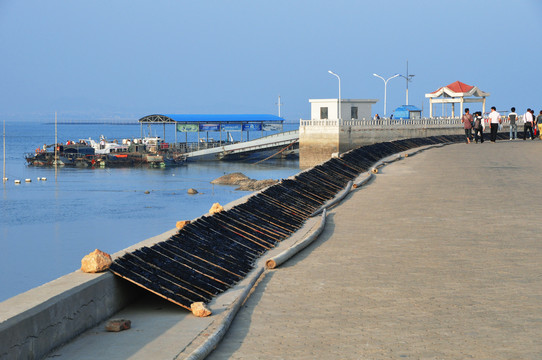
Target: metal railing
pixel 435 122
pixel 385 122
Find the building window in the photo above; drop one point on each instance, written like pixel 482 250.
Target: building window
pixel 354 112
pixel 323 113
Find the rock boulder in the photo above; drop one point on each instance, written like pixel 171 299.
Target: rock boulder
pixel 199 309
pixel 216 208
pixel 96 261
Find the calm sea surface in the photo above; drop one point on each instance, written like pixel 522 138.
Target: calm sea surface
pixel 46 227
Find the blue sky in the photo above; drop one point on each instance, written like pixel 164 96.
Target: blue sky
pixel 126 59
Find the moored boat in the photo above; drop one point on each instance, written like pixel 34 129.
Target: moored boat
pixel 152 152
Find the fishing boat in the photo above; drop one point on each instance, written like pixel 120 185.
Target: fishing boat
pixel 152 152
pixel 69 154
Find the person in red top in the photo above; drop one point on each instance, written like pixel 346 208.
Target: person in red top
pixel 467 120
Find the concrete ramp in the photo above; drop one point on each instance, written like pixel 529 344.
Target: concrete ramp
pixel 262 147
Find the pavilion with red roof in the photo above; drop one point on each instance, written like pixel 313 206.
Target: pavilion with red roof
pixel 457 92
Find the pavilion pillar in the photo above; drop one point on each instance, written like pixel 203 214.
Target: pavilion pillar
pixel 453 110
pixel 461 106
pixel 430 107
pixel 484 105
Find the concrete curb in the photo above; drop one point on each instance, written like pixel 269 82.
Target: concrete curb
pixel 281 258
pixel 335 200
pixel 399 156
pixel 363 182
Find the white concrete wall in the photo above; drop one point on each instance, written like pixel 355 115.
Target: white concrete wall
pixel 364 108
pixel 317 142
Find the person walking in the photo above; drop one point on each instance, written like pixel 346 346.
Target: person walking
pixel 539 123
pixel 528 119
pixel 479 127
pixel 512 118
pixel 494 121
pixel 467 120
pixel 535 128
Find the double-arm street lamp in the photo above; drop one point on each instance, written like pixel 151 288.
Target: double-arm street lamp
pixel 385 87
pixel 408 79
pixel 339 114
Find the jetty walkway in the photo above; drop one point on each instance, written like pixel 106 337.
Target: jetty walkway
pixel 438 258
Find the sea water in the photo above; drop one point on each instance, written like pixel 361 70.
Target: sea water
pixel 46 227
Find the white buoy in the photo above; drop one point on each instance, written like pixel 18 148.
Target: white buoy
pixel 17 181
pixel 27 180
pixel 43 179
pixel 39 178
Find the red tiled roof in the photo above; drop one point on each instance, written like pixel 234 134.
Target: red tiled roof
pixel 459 87
pixel 456 87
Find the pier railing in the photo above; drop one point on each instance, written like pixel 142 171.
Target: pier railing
pixel 436 122
pixel 188 147
pixel 386 123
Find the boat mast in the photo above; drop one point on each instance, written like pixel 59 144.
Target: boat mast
pixel 4 178
pixel 55 161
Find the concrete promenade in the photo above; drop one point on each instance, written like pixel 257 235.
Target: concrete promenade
pixel 440 257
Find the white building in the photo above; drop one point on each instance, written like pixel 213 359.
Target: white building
pixel 351 109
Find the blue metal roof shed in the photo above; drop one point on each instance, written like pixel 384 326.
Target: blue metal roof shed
pixel 216 122
pixel 407 112
pixel 210 118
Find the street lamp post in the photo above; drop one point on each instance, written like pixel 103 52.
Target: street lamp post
pixel 385 86
pixel 339 114
pixel 408 79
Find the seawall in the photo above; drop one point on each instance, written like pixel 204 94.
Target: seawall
pixel 41 319
pixel 319 139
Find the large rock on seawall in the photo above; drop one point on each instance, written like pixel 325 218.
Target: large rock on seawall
pixel 96 261
pixel 199 309
pixel 180 224
pixel 216 208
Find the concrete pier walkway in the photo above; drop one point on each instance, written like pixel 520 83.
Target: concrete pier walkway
pixel 440 257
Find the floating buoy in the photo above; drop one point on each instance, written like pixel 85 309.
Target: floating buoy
pixel 27 180
pixel 39 178
pixel 147 192
pixel 5 179
pixel 192 191
pixel 17 181
pixel 43 179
